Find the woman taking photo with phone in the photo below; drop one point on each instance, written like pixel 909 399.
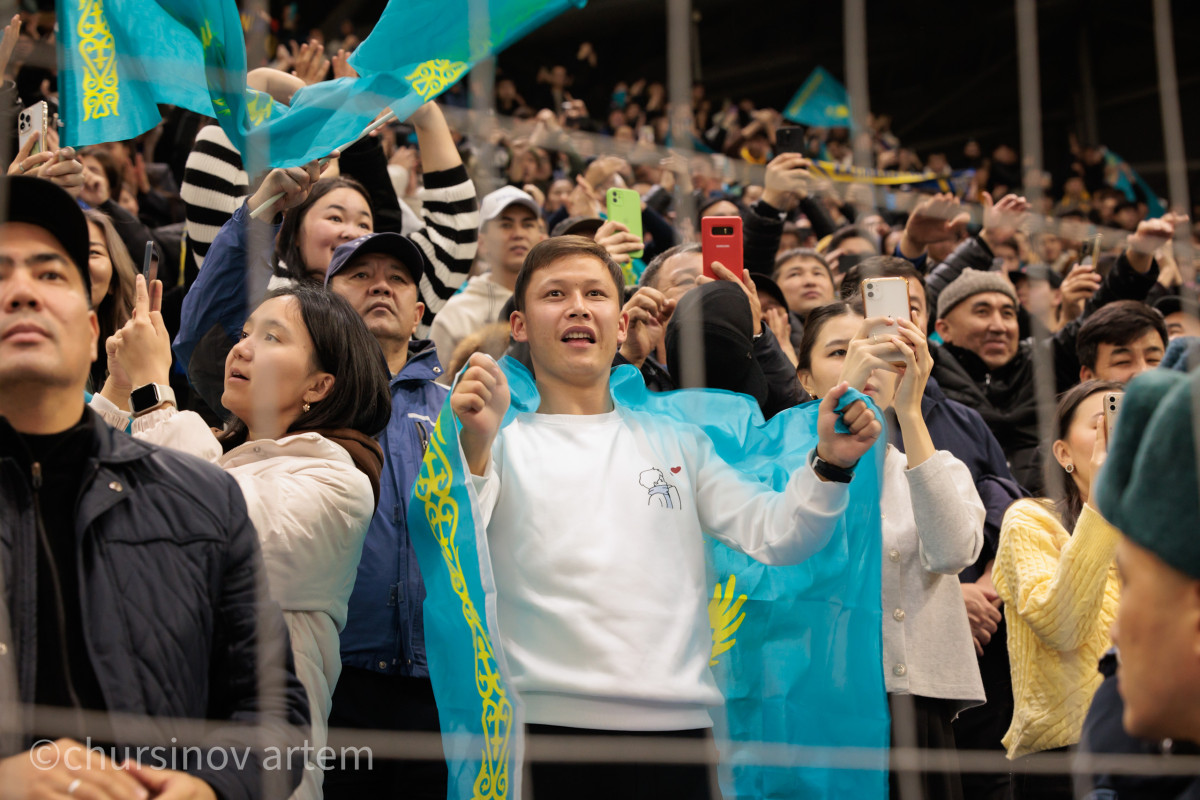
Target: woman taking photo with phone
pixel 932 521
pixel 1056 575
pixel 308 388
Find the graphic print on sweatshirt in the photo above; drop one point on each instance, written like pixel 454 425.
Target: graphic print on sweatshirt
pixel 662 494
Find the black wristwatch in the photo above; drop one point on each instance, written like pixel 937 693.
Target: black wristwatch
pixel 150 397
pixel 829 472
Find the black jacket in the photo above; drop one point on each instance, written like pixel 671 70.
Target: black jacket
pixel 169 573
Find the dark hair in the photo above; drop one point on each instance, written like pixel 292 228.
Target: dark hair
pixel 548 251
pixel 879 267
pixel 799 252
pixel 116 307
pixel 342 346
pixel 650 273
pixel 112 173
pixel 1070 504
pixel 849 232
pixel 289 249
pixel 1118 324
pixel 814 322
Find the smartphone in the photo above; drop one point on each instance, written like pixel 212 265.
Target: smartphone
pixel 789 140
pixel 886 297
pixel 31 122
pixel 721 240
pixel 150 263
pixel 1112 406
pixel 1089 250
pixel 625 206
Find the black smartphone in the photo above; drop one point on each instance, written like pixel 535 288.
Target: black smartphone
pixel 150 263
pixel 789 140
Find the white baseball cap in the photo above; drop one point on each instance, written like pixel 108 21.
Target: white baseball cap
pixel 494 203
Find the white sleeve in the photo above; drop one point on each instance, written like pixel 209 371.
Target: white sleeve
pixel 108 411
pixel 769 526
pixel 180 430
pixel 484 488
pixel 948 513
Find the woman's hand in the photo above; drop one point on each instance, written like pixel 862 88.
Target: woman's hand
pixel 288 187
pixel 1099 456
pixel 865 353
pixel 918 363
pixel 143 346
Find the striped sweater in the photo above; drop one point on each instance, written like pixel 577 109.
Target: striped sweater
pixel 1060 593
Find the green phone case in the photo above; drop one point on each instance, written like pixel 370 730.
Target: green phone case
pixel 625 206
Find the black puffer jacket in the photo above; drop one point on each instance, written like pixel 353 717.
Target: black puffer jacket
pixel 169 577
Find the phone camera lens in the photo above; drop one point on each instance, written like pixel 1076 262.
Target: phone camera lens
pixel 870 294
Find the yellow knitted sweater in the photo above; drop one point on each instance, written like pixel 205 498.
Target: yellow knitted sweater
pixel 1060 595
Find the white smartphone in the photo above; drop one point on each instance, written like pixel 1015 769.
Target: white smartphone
pixel 33 121
pixel 886 297
pixel 1112 407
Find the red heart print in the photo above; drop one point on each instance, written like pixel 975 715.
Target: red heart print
pixel 676 469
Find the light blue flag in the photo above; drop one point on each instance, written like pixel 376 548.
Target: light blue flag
pixel 1154 208
pixel 821 101
pixel 797 650
pixel 119 58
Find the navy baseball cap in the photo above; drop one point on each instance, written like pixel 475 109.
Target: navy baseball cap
pixel 392 244
pixel 39 202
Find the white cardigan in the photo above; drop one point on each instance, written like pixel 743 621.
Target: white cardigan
pixel 932 530
pixel 311 507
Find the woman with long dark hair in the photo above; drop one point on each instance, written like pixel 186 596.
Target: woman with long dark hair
pixel 308 388
pixel 1056 575
pixel 932 528
pixel 112 272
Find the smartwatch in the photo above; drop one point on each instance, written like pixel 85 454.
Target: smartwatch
pixel 151 397
pixel 829 472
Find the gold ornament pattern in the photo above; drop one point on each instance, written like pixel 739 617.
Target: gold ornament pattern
pixel 723 618
pixel 431 77
pixel 433 490
pixel 101 86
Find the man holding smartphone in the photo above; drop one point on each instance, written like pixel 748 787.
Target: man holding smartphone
pixel 571 492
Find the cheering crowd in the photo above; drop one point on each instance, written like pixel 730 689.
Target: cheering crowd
pixel 301 331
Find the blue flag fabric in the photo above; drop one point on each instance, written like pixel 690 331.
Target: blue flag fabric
pixel 797 651
pixel 1127 178
pixel 821 100
pixel 113 56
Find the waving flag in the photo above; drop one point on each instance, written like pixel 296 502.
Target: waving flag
pixel 796 650
pixel 820 101
pixel 119 59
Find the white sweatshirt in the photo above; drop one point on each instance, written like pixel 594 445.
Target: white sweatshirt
pixel 594 527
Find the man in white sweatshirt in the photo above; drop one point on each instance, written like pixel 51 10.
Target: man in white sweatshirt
pixel 601 585
pixel 510 224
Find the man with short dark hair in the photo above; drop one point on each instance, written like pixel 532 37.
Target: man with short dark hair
pixel 131 574
pixel 1119 341
pixel 574 491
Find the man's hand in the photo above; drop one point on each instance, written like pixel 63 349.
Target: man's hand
pixel 618 241
pixel 341 65
pixel 65 769
pixel 480 400
pixel 983 612
pixel 582 202
pixel 1001 220
pixel 746 283
pixel 787 181
pixel 12 34
pixel 1077 288
pixel 777 320
pixel 1150 235
pixel 167 784
pixel 936 219
pixel 648 311
pixel 309 62
pixel 845 449
pixel 143 346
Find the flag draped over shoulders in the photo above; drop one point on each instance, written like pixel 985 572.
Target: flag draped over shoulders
pixel 119 59
pixel 796 650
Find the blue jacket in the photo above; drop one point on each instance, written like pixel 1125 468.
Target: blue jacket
pixel 385 629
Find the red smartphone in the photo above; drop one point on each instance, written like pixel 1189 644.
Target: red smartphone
pixel 721 240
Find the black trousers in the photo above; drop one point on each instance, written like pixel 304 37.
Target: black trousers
pixel 367 700
pixel 560 780
pixel 1041 786
pixel 924 722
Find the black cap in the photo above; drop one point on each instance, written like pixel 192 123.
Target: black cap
pixel 1173 304
pixel 577 226
pixel 721 312
pixel 39 202
pixel 1041 272
pixel 765 284
pixel 392 244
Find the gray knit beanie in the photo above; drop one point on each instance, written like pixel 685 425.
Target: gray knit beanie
pixel 972 282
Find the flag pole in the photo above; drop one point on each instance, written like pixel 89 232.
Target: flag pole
pixel 367 131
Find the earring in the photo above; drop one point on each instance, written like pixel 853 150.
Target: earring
pixel 1069 468
pixel 306 408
